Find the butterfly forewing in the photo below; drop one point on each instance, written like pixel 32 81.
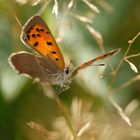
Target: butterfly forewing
pixel 37 35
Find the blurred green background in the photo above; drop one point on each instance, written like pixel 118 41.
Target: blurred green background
pixel 22 101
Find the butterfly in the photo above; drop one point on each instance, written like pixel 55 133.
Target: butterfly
pixel 47 64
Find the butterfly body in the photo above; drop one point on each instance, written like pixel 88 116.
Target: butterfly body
pixel 47 65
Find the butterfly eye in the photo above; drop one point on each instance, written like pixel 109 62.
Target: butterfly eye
pixel 67 71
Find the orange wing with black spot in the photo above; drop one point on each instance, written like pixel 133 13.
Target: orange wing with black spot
pixel 38 37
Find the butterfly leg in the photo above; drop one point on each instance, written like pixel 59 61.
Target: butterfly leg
pixel 65 86
pixel 68 82
pixel 57 88
pixel 61 89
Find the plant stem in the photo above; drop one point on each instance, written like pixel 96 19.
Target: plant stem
pixel 130 42
pixel 133 55
pixel 65 114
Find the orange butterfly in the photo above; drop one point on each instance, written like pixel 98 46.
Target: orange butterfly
pixel 48 65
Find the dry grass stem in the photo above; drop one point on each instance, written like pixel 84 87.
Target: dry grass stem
pixel 97 36
pixel 42 9
pixel 65 113
pixel 120 111
pixel 55 9
pixel 49 91
pixel 126 84
pixel 17 20
pixel 91 6
pixel 22 1
pixel 81 118
pixel 35 2
pixel 39 129
pixel 83 19
pixel 133 55
pixel 83 129
pixel 62 108
pixel 105 5
pixel 131 107
pixel 132 66
pixel 130 42
pixel 70 5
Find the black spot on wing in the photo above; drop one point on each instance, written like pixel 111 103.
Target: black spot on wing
pixel 47 32
pixel 53 52
pixel 36 44
pixel 33 35
pixel 42 30
pixel 32 27
pixel 28 36
pixel 28 31
pixel 49 43
pixel 37 29
pixel 38 35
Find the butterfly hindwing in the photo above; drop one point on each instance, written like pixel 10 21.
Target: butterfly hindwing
pixel 38 37
pixel 35 66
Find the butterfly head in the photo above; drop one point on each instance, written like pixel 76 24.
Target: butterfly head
pixel 68 71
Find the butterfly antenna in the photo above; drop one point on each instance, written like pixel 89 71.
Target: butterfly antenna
pixel 17 20
pixel 70 63
pixel 101 64
pixel 89 63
